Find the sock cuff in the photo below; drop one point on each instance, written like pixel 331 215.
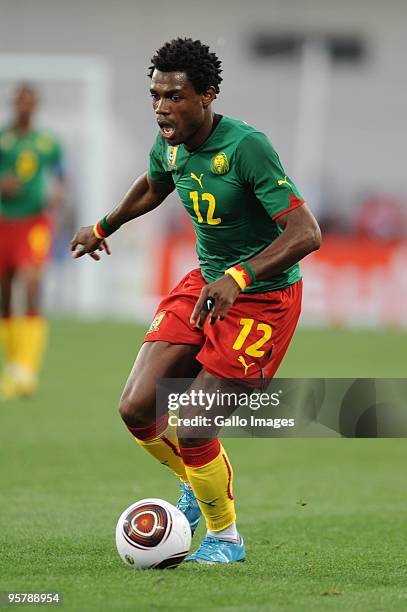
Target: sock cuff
pixel 198 456
pixel 151 431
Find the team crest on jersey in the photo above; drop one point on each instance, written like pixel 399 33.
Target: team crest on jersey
pixel 172 156
pixel 156 322
pixel 220 163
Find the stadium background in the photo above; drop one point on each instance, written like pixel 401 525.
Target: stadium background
pixel 338 122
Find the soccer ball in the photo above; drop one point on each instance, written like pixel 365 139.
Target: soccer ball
pixel 152 533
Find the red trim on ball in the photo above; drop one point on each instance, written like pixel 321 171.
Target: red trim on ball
pixel 169 517
pixel 148 540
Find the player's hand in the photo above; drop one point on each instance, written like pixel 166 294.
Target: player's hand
pixel 10 186
pixel 216 298
pixel 86 239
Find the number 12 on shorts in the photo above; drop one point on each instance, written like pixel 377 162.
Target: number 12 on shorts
pixel 253 349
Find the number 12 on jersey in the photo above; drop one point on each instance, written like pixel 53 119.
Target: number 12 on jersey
pixel 206 197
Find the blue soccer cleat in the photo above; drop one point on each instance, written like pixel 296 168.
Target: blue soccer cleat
pixel 189 506
pixel 213 550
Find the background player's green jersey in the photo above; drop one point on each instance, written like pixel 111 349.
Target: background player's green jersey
pixel 234 188
pixel 27 157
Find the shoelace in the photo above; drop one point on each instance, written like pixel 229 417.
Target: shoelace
pixel 209 545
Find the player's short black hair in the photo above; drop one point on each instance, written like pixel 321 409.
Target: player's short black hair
pixel 202 67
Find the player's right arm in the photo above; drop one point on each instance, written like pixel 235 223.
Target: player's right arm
pixel 144 195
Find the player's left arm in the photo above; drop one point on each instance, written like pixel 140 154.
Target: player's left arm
pixel 301 235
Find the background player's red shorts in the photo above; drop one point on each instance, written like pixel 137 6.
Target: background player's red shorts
pixel 24 242
pixel 249 343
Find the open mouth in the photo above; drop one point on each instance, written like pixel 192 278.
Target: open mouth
pixel 167 130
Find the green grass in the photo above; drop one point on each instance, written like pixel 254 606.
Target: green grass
pixel 324 519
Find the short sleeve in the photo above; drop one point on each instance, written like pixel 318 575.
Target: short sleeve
pixel 259 166
pixel 157 171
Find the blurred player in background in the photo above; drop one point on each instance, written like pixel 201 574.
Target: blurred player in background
pixel 26 155
pixel 252 228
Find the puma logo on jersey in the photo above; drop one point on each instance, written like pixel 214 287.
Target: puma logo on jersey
pixel 199 180
pixel 283 182
pixel 246 366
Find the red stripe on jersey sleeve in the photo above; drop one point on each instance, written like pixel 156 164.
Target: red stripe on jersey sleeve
pixel 294 203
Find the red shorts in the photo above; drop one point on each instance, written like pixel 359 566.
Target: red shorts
pixel 24 242
pixel 249 343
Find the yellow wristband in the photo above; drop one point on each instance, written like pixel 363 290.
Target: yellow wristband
pixel 95 231
pixel 238 276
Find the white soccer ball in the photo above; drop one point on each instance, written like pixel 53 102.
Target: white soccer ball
pixel 152 533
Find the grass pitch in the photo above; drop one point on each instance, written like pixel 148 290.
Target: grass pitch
pixel 324 519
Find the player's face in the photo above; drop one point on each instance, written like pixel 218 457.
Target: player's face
pixel 25 104
pixel 179 109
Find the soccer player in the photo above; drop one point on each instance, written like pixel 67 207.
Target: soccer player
pixel 26 154
pixel 252 228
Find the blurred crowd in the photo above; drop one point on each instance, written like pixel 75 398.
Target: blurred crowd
pixel 377 216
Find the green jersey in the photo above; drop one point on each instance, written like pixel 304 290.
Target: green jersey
pixel 233 188
pixel 27 157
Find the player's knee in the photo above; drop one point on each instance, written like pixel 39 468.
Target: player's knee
pixel 135 410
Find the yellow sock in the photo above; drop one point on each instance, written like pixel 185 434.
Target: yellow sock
pixel 165 448
pixel 9 336
pixel 24 340
pixel 211 483
pixel 10 332
pixel 32 341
